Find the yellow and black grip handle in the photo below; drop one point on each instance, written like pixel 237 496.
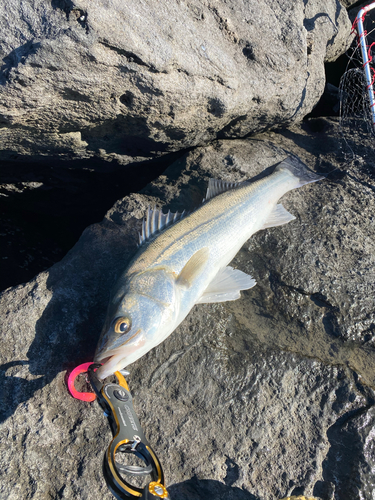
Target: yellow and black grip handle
pixel 128 442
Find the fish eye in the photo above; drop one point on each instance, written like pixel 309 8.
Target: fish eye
pixel 122 325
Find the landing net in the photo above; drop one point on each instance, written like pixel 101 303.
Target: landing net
pixel 357 105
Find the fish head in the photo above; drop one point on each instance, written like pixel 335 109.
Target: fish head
pixel 133 326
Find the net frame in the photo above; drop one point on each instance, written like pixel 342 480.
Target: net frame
pixel 357 101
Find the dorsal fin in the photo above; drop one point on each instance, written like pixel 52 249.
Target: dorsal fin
pixel 155 221
pixel 216 187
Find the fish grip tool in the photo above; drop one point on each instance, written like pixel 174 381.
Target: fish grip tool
pixel 128 437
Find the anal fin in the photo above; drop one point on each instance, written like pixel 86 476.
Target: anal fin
pixel 278 217
pixel 227 285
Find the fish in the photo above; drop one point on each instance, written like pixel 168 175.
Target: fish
pixel 183 260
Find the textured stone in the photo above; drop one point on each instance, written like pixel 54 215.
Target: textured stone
pixel 351 457
pixel 349 3
pixel 254 399
pixel 111 79
pixel 46 205
pixel 298 498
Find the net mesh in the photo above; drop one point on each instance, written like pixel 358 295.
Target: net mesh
pixel 355 112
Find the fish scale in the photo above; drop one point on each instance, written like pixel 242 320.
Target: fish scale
pixel 183 260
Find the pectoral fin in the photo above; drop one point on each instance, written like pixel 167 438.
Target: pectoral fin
pixel 193 268
pixel 227 285
pixel 278 217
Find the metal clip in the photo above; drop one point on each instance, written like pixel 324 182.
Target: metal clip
pixel 129 441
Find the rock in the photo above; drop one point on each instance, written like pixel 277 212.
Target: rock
pixel 298 498
pixel 329 104
pixel 351 454
pixel 86 78
pixel 349 3
pixel 252 399
pixel 45 206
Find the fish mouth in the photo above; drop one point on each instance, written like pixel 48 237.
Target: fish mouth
pixel 104 354
pixel 110 365
pixel 115 359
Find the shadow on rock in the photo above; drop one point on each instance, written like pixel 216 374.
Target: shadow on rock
pixel 207 488
pixel 15 389
pixel 53 350
pixel 65 317
pixel 345 462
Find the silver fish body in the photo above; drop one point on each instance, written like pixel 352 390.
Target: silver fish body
pixel 187 262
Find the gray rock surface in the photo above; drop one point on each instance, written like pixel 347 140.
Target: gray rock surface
pixel 45 206
pixel 84 78
pixel 349 3
pixel 255 399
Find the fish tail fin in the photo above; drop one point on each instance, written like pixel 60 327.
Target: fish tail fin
pixel 297 168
